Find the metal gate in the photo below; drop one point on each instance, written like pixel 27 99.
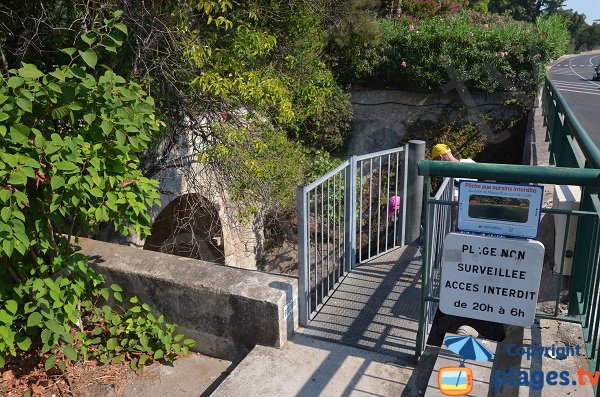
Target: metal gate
pixel 352 214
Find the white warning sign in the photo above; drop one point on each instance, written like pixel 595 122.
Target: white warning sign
pixel 491 278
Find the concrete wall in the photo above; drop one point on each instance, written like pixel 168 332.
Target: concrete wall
pixel 226 310
pixel 381 116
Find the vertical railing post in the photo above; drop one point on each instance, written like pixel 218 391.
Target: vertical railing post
pixel 303 252
pixel 422 327
pixel 414 196
pixel 557 130
pixel 350 214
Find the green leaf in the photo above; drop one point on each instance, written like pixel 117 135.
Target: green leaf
pixel 50 361
pixel 59 74
pixel 46 335
pixel 5 317
pixel 5 194
pixel 53 326
pixel 112 344
pixel 2 362
pixel 20 133
pixel 106 127
pixel 6 213
pixel 122 27
pixel 75 106
pixel 89 117
pixel 118 359
pixel 158 354
pixel 30 71
pixel 8 246
pixel 57 181
pixel 24 344
pixel 189 342
pixel 15 82
pixel 62 365
pixel 12 306
pixel 60 112
pixel 121 137
pixel 116 287
pixel 66 166
pixel 143 359
pixel 88 39
pixel 17 178
pixel 24 104
pixel 89 57
pixel 69 51
pixel 34 319
pixel 70 352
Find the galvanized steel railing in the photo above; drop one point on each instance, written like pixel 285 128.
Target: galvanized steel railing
pixel 351 214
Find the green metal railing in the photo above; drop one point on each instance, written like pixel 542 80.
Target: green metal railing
pixel 577 162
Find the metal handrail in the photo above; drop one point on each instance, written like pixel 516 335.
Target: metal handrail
pixel 511 172
pixel 586 144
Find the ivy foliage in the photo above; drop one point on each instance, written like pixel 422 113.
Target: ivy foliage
pixel 68 144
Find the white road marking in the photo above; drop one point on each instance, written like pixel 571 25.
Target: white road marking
pixel 591 82
pixel 592 63
pixel 573 83
pixel 580 92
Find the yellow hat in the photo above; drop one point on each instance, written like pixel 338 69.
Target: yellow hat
pixel 439 150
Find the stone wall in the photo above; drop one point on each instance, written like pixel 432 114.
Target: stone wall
pixel 227 310
pixel 381 116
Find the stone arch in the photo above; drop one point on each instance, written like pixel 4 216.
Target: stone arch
pixel 189 226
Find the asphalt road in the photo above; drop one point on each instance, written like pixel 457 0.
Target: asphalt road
pixel 573 78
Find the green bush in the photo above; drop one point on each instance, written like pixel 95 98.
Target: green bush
pixel 479 48
pixel 68 140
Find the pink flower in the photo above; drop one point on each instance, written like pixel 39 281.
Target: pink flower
pixel 411 28
pixel 471 34
pixel 486 25
pixel 404 64
pixel 503 54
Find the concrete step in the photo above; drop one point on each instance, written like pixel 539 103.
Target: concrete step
pixel 311 367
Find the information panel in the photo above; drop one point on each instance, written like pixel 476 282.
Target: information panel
pixel 491 278
pixel 505 209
